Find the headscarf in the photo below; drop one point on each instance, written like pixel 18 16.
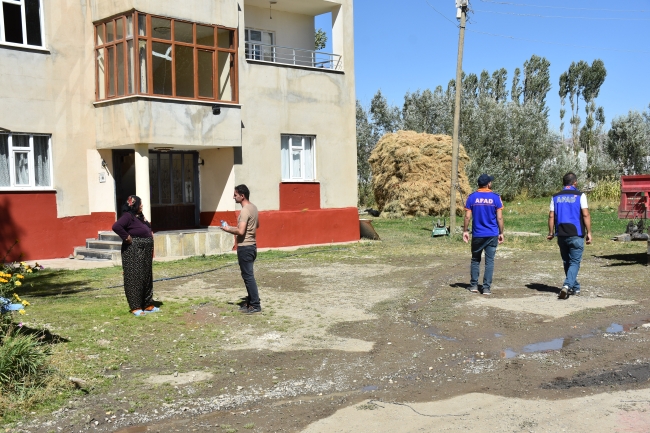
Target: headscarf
pixel 132 206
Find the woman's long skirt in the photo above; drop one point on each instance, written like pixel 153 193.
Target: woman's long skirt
pixel 138 274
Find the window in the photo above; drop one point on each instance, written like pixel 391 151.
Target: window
pixel 25 161
pixel 21 22
pixel 298 158
pixel 149 55
pixel 259 45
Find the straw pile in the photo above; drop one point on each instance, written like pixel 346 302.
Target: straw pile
pixel 411 174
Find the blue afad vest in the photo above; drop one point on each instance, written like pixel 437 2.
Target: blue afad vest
pixel 568 214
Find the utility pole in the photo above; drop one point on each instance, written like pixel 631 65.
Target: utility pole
pixel 461 7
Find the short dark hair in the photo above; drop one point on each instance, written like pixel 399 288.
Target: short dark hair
pixel 569 179
pixel 243 190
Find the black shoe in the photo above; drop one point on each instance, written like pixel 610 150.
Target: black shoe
pixel 253 310
pixel 564 293
pixel 244 308
pixel 473 289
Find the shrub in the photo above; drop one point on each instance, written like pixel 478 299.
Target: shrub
pixel 607 189
pixel 24 364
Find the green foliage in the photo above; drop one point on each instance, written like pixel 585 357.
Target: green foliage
pixel 628 142
pixel 24 364
pixel 366 140
pixel 537 81
pixel 583 80
pixel 320 39
pixel 607 189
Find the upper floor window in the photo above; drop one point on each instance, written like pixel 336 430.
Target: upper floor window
pixel 148 55
pixel 21 22
pixel 259 45
pixel 25 161
pixel 297 158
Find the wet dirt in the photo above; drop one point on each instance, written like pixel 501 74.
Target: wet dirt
pixel 362 333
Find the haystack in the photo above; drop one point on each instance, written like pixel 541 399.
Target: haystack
pixel 411 174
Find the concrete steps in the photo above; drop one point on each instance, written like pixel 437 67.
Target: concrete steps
pixel 168 244
pixel 106 247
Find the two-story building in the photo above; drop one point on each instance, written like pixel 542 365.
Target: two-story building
pixel 176 102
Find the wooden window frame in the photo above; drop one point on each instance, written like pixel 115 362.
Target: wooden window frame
pixel 149 40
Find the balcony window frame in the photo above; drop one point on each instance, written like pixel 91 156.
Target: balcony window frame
pixel 23 23
pixel 149 40
pixel 31 155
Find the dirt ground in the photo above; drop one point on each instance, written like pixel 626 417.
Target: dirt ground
pixel 375 343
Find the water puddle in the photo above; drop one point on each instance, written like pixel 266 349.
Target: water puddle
pixel 433 333
pixel 497 335
pixel 615 328
pixel 369 388
pixel 543 346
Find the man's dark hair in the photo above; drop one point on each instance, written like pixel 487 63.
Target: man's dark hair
pixel 243 190
pixel 568 179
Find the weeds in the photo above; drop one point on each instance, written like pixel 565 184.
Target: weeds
pixel 607 189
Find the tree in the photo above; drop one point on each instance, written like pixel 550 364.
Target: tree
pixel 516 90
pixel 628 142
pixel 386 118
pixel 582 80
pixel 320 39
pixel 537 81
pixel 366 141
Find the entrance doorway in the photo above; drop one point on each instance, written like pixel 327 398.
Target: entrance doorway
pixel 173 183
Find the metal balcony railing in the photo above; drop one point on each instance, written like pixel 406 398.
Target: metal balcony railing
pixel 293 56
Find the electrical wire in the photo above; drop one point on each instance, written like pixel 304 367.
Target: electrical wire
pixel 558 43
pixel 227 265
pixel 562 7
pixel 562 16
pixel 441 14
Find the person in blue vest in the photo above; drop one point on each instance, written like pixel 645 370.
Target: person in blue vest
pixel 485 209
pixel 570 222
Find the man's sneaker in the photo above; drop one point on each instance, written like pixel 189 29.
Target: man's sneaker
pixel 564 293
pixel 487 292
pixel 473 289
pixel 253 310
pixel 244 308
pixel 574 292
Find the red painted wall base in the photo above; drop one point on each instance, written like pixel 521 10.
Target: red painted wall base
pixel 31 219
pixel 294 228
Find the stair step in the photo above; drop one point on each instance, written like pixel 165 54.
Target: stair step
pixel 109 236
pixel 103 245
pixel 94 253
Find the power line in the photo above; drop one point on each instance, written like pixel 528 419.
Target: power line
pixel 560 7
pixel 557 43
pixel 441 14
pixel 561 16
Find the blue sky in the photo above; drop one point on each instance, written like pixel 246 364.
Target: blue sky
pixel 405 45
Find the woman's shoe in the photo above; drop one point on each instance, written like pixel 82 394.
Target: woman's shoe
pixel 151 309
pixel 137 312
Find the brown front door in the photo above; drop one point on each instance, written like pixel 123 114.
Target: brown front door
pixel 173 179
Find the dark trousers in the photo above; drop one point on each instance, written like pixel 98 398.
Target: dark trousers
pixel 138 273
pixel 246 256
pixel 489 245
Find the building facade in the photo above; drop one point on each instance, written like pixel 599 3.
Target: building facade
pixel 176 102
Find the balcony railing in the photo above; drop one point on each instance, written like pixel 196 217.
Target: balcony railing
pixel 293 56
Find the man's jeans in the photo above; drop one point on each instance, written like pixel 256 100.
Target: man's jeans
pixel 571 248
pixel 489 245
pixel 246 256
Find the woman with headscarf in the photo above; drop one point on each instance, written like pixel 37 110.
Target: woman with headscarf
pixel 137 257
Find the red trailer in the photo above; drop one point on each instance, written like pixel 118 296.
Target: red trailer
pixel 634 197
pixel 634 206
